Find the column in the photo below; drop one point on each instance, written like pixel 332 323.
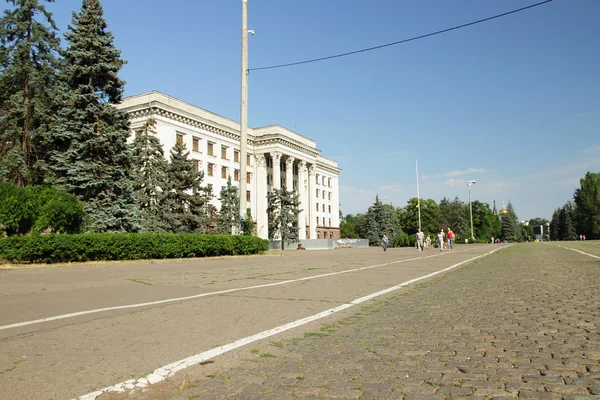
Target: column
pixel 289 174
pixel 312 196
pixel 303 205
pixel 276 157
pixel 262 222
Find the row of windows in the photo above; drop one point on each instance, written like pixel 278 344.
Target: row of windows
pixel 324 221
pixel 210 149
pixel 323 194
pixel 324 235
pixel 323 208
pixel 325 181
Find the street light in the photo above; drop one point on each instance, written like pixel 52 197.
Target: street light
pixel 470 183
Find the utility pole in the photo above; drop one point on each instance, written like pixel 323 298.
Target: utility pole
pixel 470 183
pixel 244 110
pixel 418 194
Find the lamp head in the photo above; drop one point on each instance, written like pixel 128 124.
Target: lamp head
pixel 471 182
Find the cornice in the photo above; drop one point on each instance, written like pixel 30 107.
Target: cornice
pixel 174 116
pixel 258 143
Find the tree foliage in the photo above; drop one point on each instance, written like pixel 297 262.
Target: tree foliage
pixel 188 199
pixel 511 227
pixel 229 217
pixel 28 62
pixel 587 205
pixel 150 180
pixel 282 211
pixel 90 157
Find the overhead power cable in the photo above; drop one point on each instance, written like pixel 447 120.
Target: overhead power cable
pixel 400 41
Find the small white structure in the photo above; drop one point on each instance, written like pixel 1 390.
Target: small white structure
pixel 277 158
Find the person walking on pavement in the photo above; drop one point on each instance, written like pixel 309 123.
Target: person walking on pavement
pixel 384 242
pixel 441 239
pixel 450 239
pixel 420 237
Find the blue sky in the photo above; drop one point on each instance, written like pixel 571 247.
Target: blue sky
pixel 513 103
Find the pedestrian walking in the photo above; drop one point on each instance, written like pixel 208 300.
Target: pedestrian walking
pixel 384 242
pixel 450 239
pixel 441 236
pixel 420 237
pixel 428 242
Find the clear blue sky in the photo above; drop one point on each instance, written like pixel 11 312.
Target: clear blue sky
pixel 513 103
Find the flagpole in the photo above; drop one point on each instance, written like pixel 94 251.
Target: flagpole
pixel 418 195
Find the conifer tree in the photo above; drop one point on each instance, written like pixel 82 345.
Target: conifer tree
pixel 229 215
pixel 187 197
pixel 511 230
pixel 28 62
pixel 283 209
pixel 150 180
pixel 373 222
pixel 91 157
pixel 566 228
pixel 554 231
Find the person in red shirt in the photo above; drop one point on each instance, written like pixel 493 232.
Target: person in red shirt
pixel 450 239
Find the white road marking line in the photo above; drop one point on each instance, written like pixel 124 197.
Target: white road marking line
pixel 579 251
pixel 163 373
pixel 196 296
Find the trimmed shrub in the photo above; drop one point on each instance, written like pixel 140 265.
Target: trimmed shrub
pixel 18 209
pixel 54 248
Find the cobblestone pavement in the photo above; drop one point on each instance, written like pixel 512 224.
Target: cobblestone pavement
pixel 522 323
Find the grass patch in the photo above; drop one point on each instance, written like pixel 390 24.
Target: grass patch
pixel 140 281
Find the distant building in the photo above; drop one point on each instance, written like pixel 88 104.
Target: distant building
pixel 277 158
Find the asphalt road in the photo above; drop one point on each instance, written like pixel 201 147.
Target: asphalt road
pixel 70 330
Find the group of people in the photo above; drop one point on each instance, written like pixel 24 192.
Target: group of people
pixel 444 240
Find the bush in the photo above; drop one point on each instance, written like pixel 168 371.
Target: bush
pixel 18 209
pixel 38 209
pixel 54 248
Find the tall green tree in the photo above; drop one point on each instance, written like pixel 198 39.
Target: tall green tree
pixel 28 62
pixel 150 180
pixel 189 200
pixel 430 216
pixel 554 233
pixel 283 209
pixel 91 158
pixel 566 228
pixel 372 223
pixel 229 217
pixel 485 223
pixel 511 227
pixel 587 202
pixel 452 215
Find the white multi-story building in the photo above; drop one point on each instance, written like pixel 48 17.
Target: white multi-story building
pixel 277 158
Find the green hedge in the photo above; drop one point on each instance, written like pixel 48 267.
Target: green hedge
pixel 54 248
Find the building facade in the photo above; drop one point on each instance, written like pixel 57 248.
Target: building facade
pixel 277 158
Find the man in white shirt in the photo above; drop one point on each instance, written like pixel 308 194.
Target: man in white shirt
pixel 420 237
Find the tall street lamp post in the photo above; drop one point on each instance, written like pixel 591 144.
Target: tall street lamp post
pixel 470 183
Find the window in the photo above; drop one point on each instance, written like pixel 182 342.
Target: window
pixel 323 221
pixel 236 175
pixel 138 133
pixel 248 177
pixel 224 172
pixel 329 222
pixel 211 169
pixel 179 138
pixel 197 164
pixel 248 196
pixel 317 178
pixel 248 159
pixel 317 206
pixel 224 152
pixel 269 162
pixel 209 188
pixel 318 235
pixel 323 179
pixel 318 192
pixel 323 195
pixel 210 149
pixel 329 182
pixel 323 207
pixel 236 156
pixel 329 194
pixel 329 209
pixel 195 144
